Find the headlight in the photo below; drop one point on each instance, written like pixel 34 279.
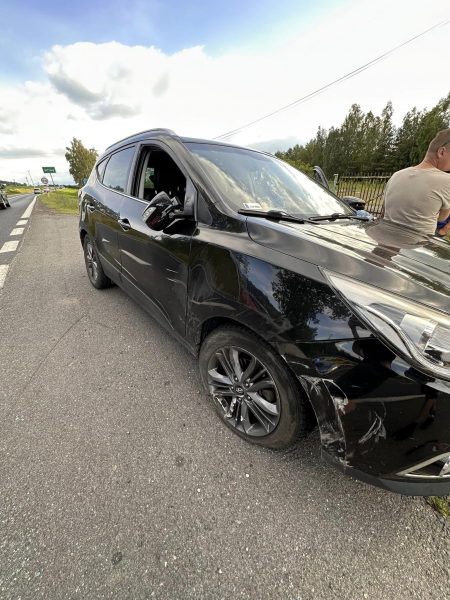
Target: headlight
pixel 417 332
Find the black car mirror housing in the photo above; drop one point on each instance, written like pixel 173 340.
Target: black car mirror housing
pixel 354 202
pixel 162 210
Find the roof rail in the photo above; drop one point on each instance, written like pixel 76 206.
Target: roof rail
pixel 162 129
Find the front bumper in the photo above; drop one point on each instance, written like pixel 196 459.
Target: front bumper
pixel 381 420
pixel 408 487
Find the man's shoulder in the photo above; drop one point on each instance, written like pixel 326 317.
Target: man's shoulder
pixel 403 172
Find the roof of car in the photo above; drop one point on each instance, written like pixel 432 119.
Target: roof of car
pixel 163 132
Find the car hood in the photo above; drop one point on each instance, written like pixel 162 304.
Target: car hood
pixel 380 253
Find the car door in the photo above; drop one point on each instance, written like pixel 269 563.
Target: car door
pixel 106 206
pixel 155 264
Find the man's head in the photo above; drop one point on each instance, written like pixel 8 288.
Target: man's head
pixel 439 150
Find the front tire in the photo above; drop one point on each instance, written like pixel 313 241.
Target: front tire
pixel 254 392
pixel 94 268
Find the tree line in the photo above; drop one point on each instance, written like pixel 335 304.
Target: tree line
pixel 367 143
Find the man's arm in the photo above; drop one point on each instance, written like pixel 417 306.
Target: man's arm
pixel 443 214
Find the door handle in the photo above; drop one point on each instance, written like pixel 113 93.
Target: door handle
pixel 90 207
pixel 125 224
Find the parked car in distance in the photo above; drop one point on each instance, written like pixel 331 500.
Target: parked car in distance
pixel 300 312
pixel 37 190
pixel 4 202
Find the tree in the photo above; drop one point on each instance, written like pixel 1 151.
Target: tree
pixel 383 153
pixel 298 164
pixel 81 161
pixel 435 120
pixel 367 143
pixel 405 143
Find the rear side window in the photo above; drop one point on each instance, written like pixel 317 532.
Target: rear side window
pixel 116 171
pixel 101 169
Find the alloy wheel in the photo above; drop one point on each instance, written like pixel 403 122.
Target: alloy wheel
pixel 91 261
pixel 245 390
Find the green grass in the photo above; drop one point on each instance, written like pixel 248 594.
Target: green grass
pixel 440 504
pixel 11 190
pixel 64 201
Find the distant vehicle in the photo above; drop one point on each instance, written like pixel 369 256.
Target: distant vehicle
pixel 37 190
pixel 4 202
pixel 60 187
pixel 46 189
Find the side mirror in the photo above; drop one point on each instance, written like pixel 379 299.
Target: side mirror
pixel 161 211
pixel 354 202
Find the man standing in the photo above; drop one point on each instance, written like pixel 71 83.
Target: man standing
pixel 419 197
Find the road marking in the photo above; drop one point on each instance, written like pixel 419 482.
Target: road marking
pixel 17 231
pixel 22 222
pixel 29 210
pixel 3 271
pixel 9 246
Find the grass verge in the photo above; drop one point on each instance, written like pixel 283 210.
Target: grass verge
pixel 12 190
pixel 64 201
pixel 440 504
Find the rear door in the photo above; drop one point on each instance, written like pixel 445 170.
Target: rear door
pixel 111 190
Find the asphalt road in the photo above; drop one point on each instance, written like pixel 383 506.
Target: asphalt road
pixel 10 216
pixel 117 479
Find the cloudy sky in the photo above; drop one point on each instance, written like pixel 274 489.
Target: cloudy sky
pixel 99 70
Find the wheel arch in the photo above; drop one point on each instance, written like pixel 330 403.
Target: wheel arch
pixel 83 231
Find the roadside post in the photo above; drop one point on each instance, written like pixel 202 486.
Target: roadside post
pixel 50 170
pixel 335 183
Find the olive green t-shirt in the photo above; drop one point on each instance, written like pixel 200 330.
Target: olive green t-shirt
pixel 414 197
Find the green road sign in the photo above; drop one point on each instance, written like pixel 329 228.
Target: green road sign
pixel 49 169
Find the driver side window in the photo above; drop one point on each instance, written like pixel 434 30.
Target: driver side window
pixel 160 174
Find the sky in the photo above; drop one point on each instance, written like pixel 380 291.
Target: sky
pixel 102 70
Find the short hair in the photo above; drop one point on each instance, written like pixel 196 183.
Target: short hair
pixel 441 139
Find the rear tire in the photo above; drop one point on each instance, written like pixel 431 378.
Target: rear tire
pixel 276 415
pixel 94 268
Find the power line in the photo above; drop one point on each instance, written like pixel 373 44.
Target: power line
pixel 335 82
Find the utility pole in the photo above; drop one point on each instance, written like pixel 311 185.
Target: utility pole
pixel 31 178
pixel 28 183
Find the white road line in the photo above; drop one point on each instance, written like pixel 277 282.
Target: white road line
pixel 17 231
pixel 21 222
pixel 27 213
pixel 9 246
pixel 3 271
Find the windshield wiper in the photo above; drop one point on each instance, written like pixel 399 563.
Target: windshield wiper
pixel 273 214
pixel 337 216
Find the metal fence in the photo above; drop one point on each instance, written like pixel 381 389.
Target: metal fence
pixel 369 188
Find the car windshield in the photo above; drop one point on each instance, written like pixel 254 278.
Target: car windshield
pixel 254 181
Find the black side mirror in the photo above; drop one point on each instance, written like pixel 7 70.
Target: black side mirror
pixel 354 202
pixel 161 211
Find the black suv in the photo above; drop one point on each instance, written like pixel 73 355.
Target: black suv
pixel 300 312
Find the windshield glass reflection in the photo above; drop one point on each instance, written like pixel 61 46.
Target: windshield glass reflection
pixel 253 181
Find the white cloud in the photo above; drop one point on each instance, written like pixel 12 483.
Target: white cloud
pixel 102 92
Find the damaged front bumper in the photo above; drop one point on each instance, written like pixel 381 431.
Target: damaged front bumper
pixel 381 421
